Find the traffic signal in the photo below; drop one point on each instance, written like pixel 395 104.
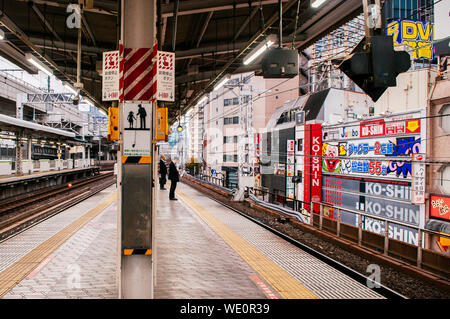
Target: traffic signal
pixel 374 65
pixel 113 124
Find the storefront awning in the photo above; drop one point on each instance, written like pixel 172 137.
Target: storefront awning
pixel 438 226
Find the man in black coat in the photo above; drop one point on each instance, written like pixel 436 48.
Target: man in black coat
pixel 162 172
pixel 174 177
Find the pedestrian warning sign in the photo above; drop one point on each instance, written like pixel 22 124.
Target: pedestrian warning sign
pixel 137 129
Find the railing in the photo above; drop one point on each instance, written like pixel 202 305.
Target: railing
pixel 337 228
pixel 332 223
pixel 219 181
pixel 272 198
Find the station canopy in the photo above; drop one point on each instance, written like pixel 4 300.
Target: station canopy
pixel 211 40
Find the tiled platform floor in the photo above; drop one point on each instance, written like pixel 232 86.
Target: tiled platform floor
pixel 203 251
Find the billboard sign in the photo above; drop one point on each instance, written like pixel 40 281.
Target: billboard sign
pixel 383 199
pixel 440 207
pixel 414 34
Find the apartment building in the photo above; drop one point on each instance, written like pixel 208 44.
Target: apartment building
pixel 234 113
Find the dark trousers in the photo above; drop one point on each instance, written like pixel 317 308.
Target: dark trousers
pixel 173 185
pixel 162 182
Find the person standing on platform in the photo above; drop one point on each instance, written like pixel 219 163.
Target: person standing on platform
pixel 174 177
pixel 162 172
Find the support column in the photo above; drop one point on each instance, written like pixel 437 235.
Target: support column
pixel 19 148
pixel 135 190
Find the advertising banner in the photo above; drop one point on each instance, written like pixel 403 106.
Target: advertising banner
pixel 414 34
pixel 313 170
pixel 290 168
pixel 440 207
pixel 379 148
pixel 418 179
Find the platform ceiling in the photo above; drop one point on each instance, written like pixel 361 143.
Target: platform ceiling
pixel 212 36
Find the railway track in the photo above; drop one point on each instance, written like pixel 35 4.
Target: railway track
pixel 21 212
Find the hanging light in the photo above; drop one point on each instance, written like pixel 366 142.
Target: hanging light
pixel 222 83
pixel 33 60
pixel 179 128
pixel 252 57
pixel 317 3
pixel 70 88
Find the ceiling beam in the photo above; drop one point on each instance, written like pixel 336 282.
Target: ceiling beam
pixel 14 29
pixel 110 8
pixel 201 6
pixel 88 29
pixel 246 22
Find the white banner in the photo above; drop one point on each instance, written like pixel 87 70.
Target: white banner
pixel 418 179
pixel 110 76
pixel 166 76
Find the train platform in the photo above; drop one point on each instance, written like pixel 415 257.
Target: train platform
pixel 13 178
pixel 203 251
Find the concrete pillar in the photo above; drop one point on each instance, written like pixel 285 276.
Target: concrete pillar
pixel 19 148
pixel 136 196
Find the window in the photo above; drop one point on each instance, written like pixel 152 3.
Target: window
pixel 445 177
pixel 227 102
pixel 445 117
pixel 300 145
pixel 230 139
pixel 231 120
pixel 230 158
pixel 235 100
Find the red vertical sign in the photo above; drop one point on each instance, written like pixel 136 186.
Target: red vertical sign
pixel 313 168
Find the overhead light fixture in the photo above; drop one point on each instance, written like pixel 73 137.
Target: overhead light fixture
pixel 2 34
pixel 33 60
pixel 222 83
pixel 267 45
pixel 203 99
pixel 88 101
pixel 180 128
pixel 317 3
pixel 70 88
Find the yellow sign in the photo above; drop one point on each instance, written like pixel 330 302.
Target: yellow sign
pixel 415 34
pixel 113 124
pixel 413 125
pixel 162 125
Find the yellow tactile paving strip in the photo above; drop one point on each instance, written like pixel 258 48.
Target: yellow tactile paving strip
pixel 19 270
pixel 286 285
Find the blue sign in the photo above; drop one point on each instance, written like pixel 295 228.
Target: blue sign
pixel 213 171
